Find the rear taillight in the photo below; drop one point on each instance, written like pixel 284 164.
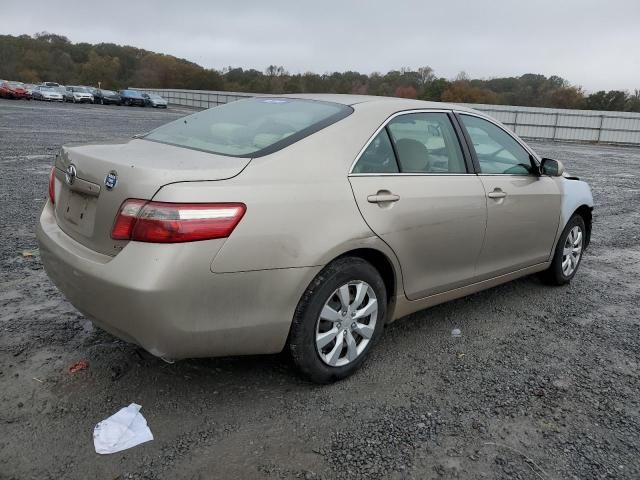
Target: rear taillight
pixel 160 222
pixel 52 185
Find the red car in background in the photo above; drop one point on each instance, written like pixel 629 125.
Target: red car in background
pixel 14 90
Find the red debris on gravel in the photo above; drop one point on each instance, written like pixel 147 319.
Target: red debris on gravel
pixel 78 366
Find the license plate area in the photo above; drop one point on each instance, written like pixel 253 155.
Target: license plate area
pixel 78 211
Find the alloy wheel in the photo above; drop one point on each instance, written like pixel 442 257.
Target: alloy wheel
pixel 572 251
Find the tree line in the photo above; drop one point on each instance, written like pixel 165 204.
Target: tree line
pixel 51 57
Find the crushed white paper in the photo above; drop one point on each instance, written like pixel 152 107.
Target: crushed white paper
pixel 125 429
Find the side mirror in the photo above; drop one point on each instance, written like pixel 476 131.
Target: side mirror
pixel 551 167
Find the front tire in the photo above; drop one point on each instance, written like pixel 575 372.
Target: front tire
pixel 338 320
pixel 568 253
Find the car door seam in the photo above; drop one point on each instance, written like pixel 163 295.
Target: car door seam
pixel 378 236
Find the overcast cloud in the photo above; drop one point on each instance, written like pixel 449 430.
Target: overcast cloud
pixel 591 43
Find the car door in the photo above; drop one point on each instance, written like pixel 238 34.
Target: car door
pixel 413 185
pixel 523 207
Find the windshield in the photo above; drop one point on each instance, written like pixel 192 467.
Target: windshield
pixel 155 97
pixel 132 93
pixel 80 90
pixel 108 92
pixel 16 84
pixel 48 89
pixel 252 127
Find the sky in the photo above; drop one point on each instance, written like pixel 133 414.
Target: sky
pixel 591 43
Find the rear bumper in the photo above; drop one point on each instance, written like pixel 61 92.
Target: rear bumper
pixel 166 299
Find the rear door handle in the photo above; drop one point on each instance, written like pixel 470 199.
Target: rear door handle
pixel 497 193
pixel 383 196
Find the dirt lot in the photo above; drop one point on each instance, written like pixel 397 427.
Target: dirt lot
pixel 543 383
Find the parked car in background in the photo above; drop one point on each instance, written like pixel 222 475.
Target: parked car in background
pixel 132 97
pixel 14 90
pixel 303 222
pixel 49 94
pixel 5 91
pixel 80 94
pixel 20 90
pixel 51 84
pixel 154 100
pixel 30 87
pixel 67 95
pixel 106 97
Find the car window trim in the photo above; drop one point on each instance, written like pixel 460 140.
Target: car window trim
pixel 461 143
pixel 476 163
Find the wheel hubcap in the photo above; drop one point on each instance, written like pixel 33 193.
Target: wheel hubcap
pixel 572 251
pixel 346 323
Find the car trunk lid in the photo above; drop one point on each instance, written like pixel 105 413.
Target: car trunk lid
pixel 94 180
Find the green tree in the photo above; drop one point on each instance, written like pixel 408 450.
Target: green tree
pixel 49 56
pixel 100 70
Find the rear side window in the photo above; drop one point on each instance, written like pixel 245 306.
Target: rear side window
pixel 252 127
pixel 378 157
pixel 426 143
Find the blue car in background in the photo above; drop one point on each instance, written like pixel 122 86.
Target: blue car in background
pixel 132 97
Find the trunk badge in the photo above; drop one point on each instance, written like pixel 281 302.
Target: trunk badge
pixel 70 174
pixel 111 180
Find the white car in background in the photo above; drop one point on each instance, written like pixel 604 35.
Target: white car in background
pixel 46 93
pixel 80 95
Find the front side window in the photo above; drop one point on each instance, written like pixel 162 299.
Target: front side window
pixel 496 150
pixel 251 127
pixel 426 143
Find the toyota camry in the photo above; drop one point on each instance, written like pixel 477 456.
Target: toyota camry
pixel 303 223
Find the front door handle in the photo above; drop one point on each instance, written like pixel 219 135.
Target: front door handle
pixel 497 193
pixel 383 196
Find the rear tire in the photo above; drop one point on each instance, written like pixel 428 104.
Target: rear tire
pixel 568 253
pixel 338 320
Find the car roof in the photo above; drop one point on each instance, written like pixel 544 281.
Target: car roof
pixel 390 103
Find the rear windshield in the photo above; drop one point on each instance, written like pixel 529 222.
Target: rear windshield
pixel 251 127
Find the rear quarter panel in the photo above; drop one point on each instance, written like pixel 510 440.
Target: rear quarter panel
pixel 300 207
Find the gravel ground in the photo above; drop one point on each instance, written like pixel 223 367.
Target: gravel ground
pixel 542 383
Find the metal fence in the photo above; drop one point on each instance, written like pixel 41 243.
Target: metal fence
pixel 571 125
pixel 527 122
pixel 197 98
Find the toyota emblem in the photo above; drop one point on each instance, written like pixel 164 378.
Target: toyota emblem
pixel 70 174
